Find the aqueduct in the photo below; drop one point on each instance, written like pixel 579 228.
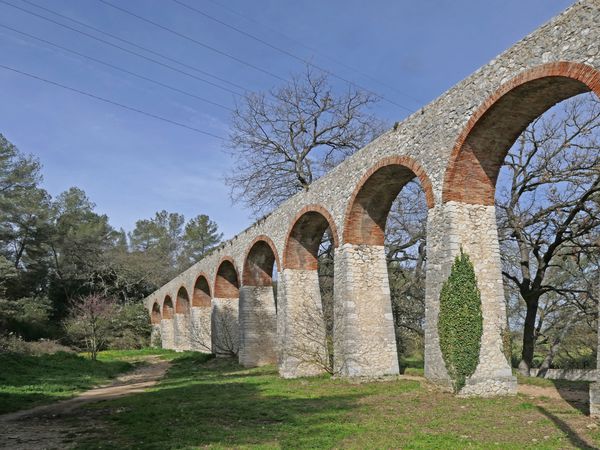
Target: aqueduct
pixel 455 146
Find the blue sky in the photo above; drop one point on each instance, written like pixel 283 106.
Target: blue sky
pixel 131 165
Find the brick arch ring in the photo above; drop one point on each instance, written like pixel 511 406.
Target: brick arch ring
pixel 204 275
pixel 267 240
pixel 470 187
pixel 405 162
pixel 237 274
pixel 308 209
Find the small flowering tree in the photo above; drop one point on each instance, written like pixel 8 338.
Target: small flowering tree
pixel 90 322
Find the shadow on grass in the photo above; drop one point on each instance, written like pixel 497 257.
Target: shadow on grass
pixel 27 381
pixel 575 393
pixel 195 406
pixel 571 434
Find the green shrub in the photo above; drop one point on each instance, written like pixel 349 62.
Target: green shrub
pixel 460 323
pixel 130 328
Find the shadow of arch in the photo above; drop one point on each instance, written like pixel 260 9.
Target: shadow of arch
pixel 202 295
pixel 167 309
pixel 182 305
pixel 155 316
pixel 305 236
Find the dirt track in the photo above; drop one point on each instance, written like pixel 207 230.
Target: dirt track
pixel 47 427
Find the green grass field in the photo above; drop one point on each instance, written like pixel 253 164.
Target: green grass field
pixel 27 381
pixel 215 403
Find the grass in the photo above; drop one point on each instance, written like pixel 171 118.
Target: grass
pixel 215 403
pixel 27 381
pixel 543 382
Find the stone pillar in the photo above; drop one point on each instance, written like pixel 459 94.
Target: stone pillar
pixel 225 331
pixel 300 324
pixel 472 227
pixel 167 334
pixel 258 326
pixel 363 331
pixel 155 340
pixel 437 272
pixel 595 386
pixel 181 324
pixel 200 329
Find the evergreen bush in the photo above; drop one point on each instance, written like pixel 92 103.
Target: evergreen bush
pixel 460 322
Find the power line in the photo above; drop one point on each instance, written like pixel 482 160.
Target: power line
pixel 111 102
pixel 133 44
pixel 312 49
pixel 284 51
pixel 116 67
pixel 191 39
pixel 91 36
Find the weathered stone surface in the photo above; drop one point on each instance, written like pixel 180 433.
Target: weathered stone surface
pixel 167 334
pixel 181 326
pixel 200 329
pixel 300 324
pixel 258 326
pixel 225 330
pixel 455 144
pixel 363 336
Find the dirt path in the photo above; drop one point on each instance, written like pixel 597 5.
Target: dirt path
pixel 567 394
pixel 47 427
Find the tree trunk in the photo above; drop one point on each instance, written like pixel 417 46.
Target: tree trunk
pixel 528 337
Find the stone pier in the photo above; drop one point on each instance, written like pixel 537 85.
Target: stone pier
pixel 258 326
pixel 300 325
pixel 363 336
pixel 225 330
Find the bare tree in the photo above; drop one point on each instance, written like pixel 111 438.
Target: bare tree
pixel 90 322
pixel 548 211
pixel 199 332
pixel 225 330
pixel 282 141
pixel 405 240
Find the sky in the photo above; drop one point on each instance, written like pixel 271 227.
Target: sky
pixel 132 165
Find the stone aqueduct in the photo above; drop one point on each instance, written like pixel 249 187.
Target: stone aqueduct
pixel 455 146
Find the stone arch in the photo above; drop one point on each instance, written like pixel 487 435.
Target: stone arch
pixel 201 297
pixel 226 280
pixel 304 237
pixel 155 315
pixel 259 262
pixel 182 305
pixel 488 136
pixel 370 203
pixel 167 308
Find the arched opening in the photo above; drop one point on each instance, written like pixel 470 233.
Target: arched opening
pixel 482 147
pixel 200 320
pixel 182 306
pixel 201 292
pixel 306 236
pixel 167 310
pixel 260 263
pixel 167 324
pixel 226 281
pixel 531 155
pixel 386 223
pixel 155 315
pixel 306 310
pixel 225 330
pixel 371 203
pixel 258 313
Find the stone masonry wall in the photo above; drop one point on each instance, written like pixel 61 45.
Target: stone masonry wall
pixel 429 137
